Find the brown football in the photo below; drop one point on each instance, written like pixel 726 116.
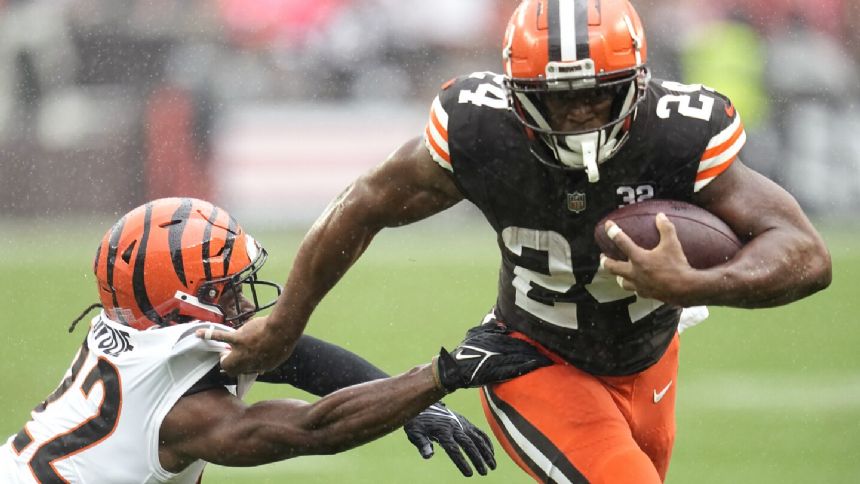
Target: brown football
pixel 707 241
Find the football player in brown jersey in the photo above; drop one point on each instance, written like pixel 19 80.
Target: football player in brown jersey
pixel 572 129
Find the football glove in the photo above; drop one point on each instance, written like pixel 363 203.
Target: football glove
pixel 487 355
pixel 452 431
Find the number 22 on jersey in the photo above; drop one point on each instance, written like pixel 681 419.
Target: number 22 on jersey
pixel 78 436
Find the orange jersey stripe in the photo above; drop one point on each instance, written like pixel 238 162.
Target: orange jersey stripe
pixel 438 149
pixel 716 150
pixel 715 170
pixel 441 129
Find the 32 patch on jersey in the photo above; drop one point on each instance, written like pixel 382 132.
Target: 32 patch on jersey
pixel 634 193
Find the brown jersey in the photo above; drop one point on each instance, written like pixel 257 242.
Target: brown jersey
pixel 550 284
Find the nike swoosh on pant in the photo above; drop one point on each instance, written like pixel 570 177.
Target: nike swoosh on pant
pixel 659 396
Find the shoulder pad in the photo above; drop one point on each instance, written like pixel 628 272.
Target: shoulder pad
pixel 716 119
pixel 458 98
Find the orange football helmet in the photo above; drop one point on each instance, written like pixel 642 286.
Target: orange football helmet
pixel 170 260
pixel 588 48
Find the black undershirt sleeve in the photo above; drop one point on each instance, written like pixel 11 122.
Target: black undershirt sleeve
pixel 320 368
pixel 214 379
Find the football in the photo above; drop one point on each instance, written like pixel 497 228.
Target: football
pixel 706 240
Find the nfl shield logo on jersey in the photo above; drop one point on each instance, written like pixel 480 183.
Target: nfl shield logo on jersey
pixel 576 202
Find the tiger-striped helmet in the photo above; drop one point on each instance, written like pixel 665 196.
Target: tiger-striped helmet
pixel 590 49
pixel 169 261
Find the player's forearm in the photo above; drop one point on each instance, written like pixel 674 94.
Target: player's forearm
pixel 320 367
pixel 333 244
pixel 274 430
pixel 361 413
pixel 777 267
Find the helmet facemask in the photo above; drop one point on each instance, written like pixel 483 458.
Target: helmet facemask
pixel 234 314
pixel 580 149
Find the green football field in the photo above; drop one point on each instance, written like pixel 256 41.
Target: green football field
pixel 765 396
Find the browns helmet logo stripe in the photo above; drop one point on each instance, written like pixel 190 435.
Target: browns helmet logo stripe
pixel 580 20
pixel 568 30
pixel 555 28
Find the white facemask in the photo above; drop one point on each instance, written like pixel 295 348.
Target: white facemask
pixel 582 151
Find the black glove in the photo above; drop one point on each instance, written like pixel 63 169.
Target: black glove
pixel 452 431
pixel 487 355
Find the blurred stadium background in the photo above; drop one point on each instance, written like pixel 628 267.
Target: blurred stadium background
pixel 270 107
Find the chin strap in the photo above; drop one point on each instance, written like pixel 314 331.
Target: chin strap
pixel 581 151
pixel 589 158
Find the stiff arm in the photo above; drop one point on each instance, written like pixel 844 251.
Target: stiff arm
pixel 407 187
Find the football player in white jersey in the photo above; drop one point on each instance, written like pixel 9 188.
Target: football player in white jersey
pixel 144 400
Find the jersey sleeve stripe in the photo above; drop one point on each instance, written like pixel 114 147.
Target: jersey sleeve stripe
pixel 442 130
pixel 720 158
pixel 439 155
pixel 726 133
pixel 720 153
pixel 716 170
pixel 436 135
pixel 705 177
pixel 440 113
pixel 724 141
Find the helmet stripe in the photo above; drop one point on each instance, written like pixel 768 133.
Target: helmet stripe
pixel 568 30
pixel 174 238
pixel 137 278
pixel 581 21
pixel 207 238
pixel 232 228
pixel 96 260
pixel 113 248
pixel 555 29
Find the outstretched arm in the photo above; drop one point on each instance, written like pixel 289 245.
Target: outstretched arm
pixel 215 426
pixel 320 368
pixel 784 258
pixel 407 187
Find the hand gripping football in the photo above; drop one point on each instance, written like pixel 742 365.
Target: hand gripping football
pixel 706 240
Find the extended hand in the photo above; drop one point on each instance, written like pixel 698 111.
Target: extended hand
pixel 658 273
pixel 452 431
pixel 253 349
pixel 487 355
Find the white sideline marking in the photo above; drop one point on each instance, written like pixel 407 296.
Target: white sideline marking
pixel 801 393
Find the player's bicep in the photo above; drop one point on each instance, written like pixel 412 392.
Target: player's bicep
pixel 217 427
pixel 751 203
pixel 407 187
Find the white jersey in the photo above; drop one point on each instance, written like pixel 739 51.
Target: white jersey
pixel 102 423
